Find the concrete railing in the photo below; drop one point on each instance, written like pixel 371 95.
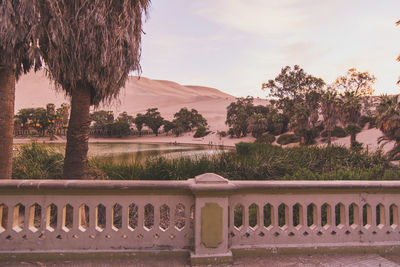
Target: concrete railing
pixel 208 216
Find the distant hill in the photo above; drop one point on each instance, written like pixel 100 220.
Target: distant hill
pixel 35 90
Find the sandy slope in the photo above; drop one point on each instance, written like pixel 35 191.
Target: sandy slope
pixel 34 90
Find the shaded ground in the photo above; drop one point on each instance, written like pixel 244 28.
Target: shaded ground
pixel 353 260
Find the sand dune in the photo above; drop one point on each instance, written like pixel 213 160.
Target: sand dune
pixel 139 94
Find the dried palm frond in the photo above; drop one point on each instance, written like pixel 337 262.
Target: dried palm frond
pixel 17 18
pixel 96 43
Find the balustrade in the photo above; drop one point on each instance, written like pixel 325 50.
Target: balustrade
pixel 209 215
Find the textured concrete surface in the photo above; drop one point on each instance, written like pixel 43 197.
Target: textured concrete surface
pixel 351 260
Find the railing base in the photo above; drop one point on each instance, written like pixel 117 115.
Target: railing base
pixel 349 248
pixel 225 258
pixel 6 256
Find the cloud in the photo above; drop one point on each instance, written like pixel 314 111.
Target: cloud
pixel 266 17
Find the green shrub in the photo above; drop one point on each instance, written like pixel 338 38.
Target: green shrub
pixel 37 162
pixel 222 133
pixel 285 139
pixel 368 119
pixel 201 132
pixel 265 139
pixel 337 132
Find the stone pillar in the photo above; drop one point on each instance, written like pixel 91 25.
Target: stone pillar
pixel 211 219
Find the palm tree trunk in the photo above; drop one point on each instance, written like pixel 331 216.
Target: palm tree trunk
pixel 352 139
pixel 76 161
pixel 329 137
pixel 7 97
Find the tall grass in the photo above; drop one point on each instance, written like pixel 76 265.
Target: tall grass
pixel 262 162
pixel 249 162
pixel 35 161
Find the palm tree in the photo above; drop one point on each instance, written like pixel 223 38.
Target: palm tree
pixel 388 121
pixel 89 48
pixel 350 114
pixel 16 20
pixel 354 86
pixel 329 112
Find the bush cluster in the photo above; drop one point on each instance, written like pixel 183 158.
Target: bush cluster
pixel 285 139
pixel 250 161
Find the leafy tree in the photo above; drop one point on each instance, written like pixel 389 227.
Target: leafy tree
pixel 120 128
pixel 354 86
pixel 258 125
pixel 290 86
pixel 153 119
pixel 36 118
pixel 51 119
pixel 102 120
pixel 298 95
pixel 62 117
pixel 24 116
pixel 388 121
pixel 238 115
pixel 89 48
pixel 279 123
pixel 139 122
pixel 168 126
pixel 39 120
pixel 17 18
pixel 201 132
pixel 187 120
pixel 125 117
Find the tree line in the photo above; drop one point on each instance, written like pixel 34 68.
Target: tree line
pixel 305 105
pixel 45 121
pixel 104 123
pixel 51 121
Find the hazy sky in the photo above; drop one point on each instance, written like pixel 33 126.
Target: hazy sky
pixel 236 45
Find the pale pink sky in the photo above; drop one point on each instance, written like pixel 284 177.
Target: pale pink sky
pixel 235 45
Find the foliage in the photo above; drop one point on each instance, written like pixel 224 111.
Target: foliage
pixel 307 135
pixel 17 20
pixel 238 114
pixel 337 132
pixel 257 125
pixel 168 126
pixel 355 86
pixel 222 133
pixel 298 96
pixel 368 119
pixel 201 132
pixel 285 139
pixel 139 121
pixel 105 35
pixel 153 119
pixel 253 161
pixel 265 139
pixel 120 128
pixel 37 162
pixel 125 117
pixel 186 120
pixel 102 118
pixel 388 121
pixel 329 109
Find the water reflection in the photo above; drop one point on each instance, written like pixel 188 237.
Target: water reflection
pixel 134 152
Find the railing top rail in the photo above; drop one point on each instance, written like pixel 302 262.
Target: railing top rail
pixel 190 186
pixel 12 186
